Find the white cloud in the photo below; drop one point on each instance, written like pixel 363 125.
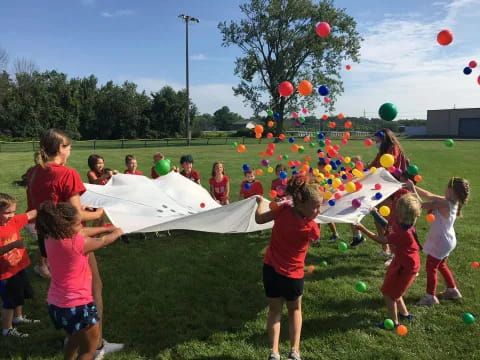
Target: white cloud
pixel 117 13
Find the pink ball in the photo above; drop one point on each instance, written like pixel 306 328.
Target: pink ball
pixel 356 203
pixel 378 186
pixel 295 115
pixel 368 142
pixel 323 29
pixel 327 100
pixel 472 64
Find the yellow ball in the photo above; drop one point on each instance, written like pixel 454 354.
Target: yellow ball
pixel 387 160
pixel 350 187
pixel 347 160
pixel 373 169
pixel 328 167
pixel 320 176
pixel 327 195
pixel 270 169
pixel 384 210
pixel 316 172
pixel 336 183
pixel 357 173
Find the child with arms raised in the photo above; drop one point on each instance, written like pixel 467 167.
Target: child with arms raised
pixel 70 297
pixel 14 284
pixel 293 230
pixel 402 271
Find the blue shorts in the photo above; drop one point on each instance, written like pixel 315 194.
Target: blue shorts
pixel 75 318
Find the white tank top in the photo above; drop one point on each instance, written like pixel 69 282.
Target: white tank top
pixel 441 239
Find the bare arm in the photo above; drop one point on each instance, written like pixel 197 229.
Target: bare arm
pixel 94 179
pixel 32 214
pixel 85 215
pixel 262 218
pixel 92 244
pixel 94 231
pixel 227 193
pixel 380 238
pixel 427 194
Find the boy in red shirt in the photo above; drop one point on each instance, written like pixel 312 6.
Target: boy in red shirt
pixel 187 164
pixel 156 158
pixel 250 186
pixel 131 162
pixel 279 185
pixel 14 284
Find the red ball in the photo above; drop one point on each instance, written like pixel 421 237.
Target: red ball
pixel 368 142
pixel 285 88
pixel 327 100
pixel 478 80
pixel 378 186
pixel 475 264
pixel 348 67
pixel 445 37
pixel 323 29
pixel 344 141
pixel 358 186
pixel 202 205
pixel 348 124
pixel 472 64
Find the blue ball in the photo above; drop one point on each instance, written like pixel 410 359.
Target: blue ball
pixel 276 116
pixel 344 177
pixel 333 165
pixel 323 90
pixel 319 150
pixel 338 162
pixel 246 167
pixel 378 196
pixel 283 175
pixel 329 181
pixel 331 202
pixel 321 136
pixel 247 186
pixel 342 168
pixel 467 70
pixel 295 172
pixel 291 140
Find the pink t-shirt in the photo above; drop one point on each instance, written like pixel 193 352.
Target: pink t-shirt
pixel 71 283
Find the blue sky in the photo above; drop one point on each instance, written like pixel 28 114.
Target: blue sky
pixel 144 42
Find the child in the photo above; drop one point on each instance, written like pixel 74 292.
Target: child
pixel 70 297
pixel 250 186
pixel 187 164
pixel 279 185
pixel 131 162
pixel 219 184
pixel 441 239
pixel 404 267
pixel 293 230
pixel 156 158
pixel 14 284
pixel 98 174
pixel 335 236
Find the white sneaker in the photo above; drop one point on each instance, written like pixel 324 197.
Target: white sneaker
pixel 428 300
pixel 107 348
pixel 15 333
pixel 24 320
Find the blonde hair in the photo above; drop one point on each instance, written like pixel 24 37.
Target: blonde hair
pixel 302 190
pixel 408 209
pixel 461 190
pixel 356 158
pixel 6 201
pixel 50 143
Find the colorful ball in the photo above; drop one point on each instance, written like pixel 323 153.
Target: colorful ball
pixel 468 318
pixel 472 64
pixel 361 287
pixel 241 148
pixel 323 263
pixel 388 111
pixel 323 90
pixel 388 324
pixel 412 170
pixel 387 160
pixel 430 218
pixel 445 37
pixel 384 210
pixel 356 203
pixel 305 88
pixel 162 167
pixel 323 29
pixel 342 246
pixel 467 70
pixel 449 142
pixel 368 142
pixel 285 88
pixel 402 330
pixel 475 264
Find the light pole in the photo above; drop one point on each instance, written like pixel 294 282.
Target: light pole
pixel 187 19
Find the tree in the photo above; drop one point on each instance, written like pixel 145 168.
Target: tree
pixel 223 118
pixel 3 59
pixel 279 43
pixel 24 66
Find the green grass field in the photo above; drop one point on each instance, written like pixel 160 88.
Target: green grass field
pixel 196 295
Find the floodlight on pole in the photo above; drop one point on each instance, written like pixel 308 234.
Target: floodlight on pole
pixel 187 19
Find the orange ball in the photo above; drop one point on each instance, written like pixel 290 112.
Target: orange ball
pixel 348 124
pixel 281 136
pixel 324 117
pixel 262 154
pixel 258 135
pixel 308 158
pixel 273 205
pixel 259 129
pixel 341 116
pixel 306 139
pixel 402 330
pixel 241 148
pixel 273 194
pixel 417 178
pixel 332 125
pixel 259 172
pixel 305 87
pixel 346 135
pixel 430 218
pixel 294 147
pixel 270 124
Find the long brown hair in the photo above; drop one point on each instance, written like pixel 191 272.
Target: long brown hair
pixel 461 189
pixel 215 164
pixel 56 221
pixel 388 140
pixel 6 201
pixel 50 144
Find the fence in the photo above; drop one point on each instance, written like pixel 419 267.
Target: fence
pixel 6 146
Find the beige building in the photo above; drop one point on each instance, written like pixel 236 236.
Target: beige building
pixel 454 123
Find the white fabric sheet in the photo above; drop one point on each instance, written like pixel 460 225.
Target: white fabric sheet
pixel 139 204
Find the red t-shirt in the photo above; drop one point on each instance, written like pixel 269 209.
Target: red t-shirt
pixel 256 188
pixel 194 175
pixel 398 155
pixel 153 173
pixel 406 248
pixel 280 186
pixel 104 181
pixel 54 182
pixel 136 172
pixel 219 188
pixel 288 246
pixel 31 173
pixel 16 259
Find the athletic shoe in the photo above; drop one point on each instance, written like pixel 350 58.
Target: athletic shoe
pixel 450 294
pixel 334 238
pixel 428 300
pixel 25 320
pixel 274 356
pixel 357 241
pixel 42 271
pixel 388 262
pixel 107 348
pixel 408 317
pixel 15 333
pixel 293 356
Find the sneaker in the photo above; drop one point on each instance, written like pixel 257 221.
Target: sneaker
pixel 293 356
pixel 357 240
pixel 450 294
pixel 15 333
pixel 42 271
pixel 408 317
pixel 274 356
pixel 388 262
pixel 428 300
pixel 24 320
pixel 334 238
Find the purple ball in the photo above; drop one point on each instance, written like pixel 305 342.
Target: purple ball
pixel 265 162
pixel 397 173
pixel 356 203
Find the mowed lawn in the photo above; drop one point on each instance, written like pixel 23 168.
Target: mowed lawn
pixel 192 295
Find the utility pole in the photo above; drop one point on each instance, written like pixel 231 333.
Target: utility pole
pixel 187 19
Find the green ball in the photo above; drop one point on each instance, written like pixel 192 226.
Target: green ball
pixel 389 324
pixel 285 157
pixel 234 144
pixel 162 167
pixel 321 143
pixel 323 263
pixel 269 112
pixel 301 149
pixel 361 287
pixel 468 318
pixel 342 246
pixel 412 170
pixel 388 111
pixel 301 119
pixel 449 142
pixel 312 145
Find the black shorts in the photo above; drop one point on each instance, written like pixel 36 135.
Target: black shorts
pixel 75 318
pixel 277 285
pixel 15 290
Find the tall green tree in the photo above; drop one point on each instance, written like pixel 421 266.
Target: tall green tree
pixel 279 43
pixel 223 118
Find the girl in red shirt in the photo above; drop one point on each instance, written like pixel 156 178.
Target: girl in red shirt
pixel 98 174
pixel 293 230
pixel 131 163
pixel 219 184
pixel 401 235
